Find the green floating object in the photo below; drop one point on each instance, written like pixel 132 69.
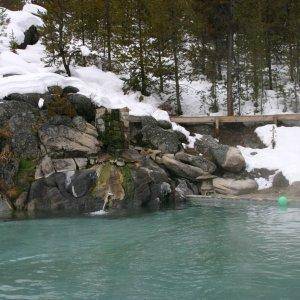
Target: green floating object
pixel 282 201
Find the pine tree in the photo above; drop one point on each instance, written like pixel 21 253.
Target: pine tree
pixel 57 35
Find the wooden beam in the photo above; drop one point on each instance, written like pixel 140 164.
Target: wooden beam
pixel 236 119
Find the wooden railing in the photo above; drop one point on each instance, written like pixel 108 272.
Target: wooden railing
pixel 235 119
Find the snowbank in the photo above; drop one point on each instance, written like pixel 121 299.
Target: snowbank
pixel 19 22
pixel 284 157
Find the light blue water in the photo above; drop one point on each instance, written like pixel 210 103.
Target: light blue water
pixel 203 252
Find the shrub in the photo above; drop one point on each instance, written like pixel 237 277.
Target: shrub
pixel 60 105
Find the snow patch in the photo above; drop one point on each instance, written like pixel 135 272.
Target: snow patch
pixel 284 157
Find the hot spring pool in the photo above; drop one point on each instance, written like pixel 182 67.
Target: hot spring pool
pixel 245 251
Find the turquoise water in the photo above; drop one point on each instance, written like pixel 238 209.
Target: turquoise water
pixel 245 251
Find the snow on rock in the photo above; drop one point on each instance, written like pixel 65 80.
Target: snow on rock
pixel 34 83
pixel 19 22
pixel 161 115
pixel 284 157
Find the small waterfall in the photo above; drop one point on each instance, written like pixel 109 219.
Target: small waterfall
pixel 102 211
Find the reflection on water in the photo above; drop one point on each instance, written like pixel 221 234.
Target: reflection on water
pixel 231 250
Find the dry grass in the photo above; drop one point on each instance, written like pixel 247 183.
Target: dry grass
pixel 60 105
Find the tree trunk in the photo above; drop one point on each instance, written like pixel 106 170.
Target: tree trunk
pixel 160 67
pixel 141 57
pixel 229 64
pixel 66 65
pixel 269 61
pixel 178 103
pixel 108 32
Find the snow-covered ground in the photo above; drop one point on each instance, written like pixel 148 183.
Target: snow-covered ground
pixel 105 89
pixel 284 157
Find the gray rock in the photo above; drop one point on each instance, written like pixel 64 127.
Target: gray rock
pixel 70 90
pixel 131 155
pixel 83 106
pixel 182 190
pixel 4 205
pixel 63 140
pixel 279 181
pixel 158 138
pixel 31 37
pixel 10 108
pixel 30 98
pixel 197 161
pixel 64 191
pixel 82 125
pixel 60 120
pixel 81 162
pixel 234 161
pixel 81 182
pixel 64 164
pixel 164 124
pixel 46 166
pixel 24 139
pixel 8 170
pixel 229 158
pixel 149 121
pixel 142 193
pixel 21 202
pixel 182 170
pixel 181 136
pixel 230 186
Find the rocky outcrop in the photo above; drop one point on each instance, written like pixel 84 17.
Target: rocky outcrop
pixel 31 37
pixel 84 106
pixel 4 205
pixel 229 186
pixel 279 181
pixel 66 140
pixel 11 108
pixel 229 158
pixel 24 137
pixel 30 98
pixel 180 169
pixel 196 161
pixel 156 137
pixel 182 190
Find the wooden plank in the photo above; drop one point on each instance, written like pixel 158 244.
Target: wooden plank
pixel 236 119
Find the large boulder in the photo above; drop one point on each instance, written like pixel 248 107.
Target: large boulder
pixel 180 169
pixel 229 186
pixel 83 126
pixel 62 140
pixel 156 137
pixel 4 204
pixel 279 181
pixel 64 191
pixel 229 158
pixel 84 106
pixel 30 98
pixel 24 139
pixel 10 108
pixel 8 170
pixel 196 161
pixel 182 190
pixel 81 182
pixel 31 37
